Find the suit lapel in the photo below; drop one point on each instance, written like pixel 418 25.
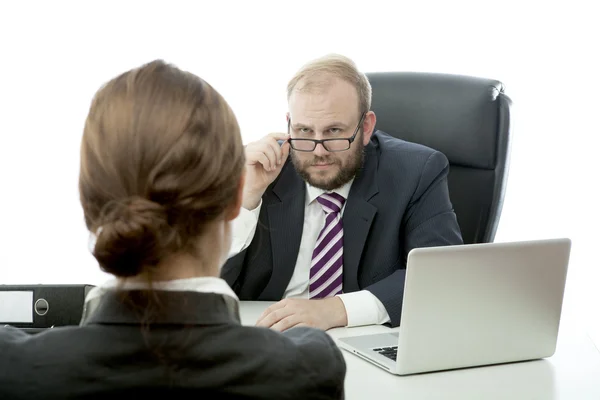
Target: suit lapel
pixel 286 219
pixel 358 216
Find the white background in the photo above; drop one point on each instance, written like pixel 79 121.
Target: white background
pixel 55 55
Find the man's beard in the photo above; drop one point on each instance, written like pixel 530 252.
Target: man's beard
pixel 344 175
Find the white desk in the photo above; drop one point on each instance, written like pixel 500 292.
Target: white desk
pixel 573 373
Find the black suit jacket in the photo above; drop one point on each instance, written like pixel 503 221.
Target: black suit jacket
pixel 398 201
pixel 191 344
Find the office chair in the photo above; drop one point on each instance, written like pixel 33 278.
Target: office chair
pixel 467 119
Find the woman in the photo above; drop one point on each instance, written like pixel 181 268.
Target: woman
pixel 161 179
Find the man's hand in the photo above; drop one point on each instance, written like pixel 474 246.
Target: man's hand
pixel 322 314
pixel 264 160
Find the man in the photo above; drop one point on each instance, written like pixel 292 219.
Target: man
pixel 330 215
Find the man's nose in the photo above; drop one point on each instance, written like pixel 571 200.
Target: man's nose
pixel 320 150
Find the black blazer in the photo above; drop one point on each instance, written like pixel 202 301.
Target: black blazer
pixel 398 201
pixel 192 343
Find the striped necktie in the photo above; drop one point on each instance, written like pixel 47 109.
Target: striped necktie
pixel 327 259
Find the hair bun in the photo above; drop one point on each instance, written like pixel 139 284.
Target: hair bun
pixel 134 234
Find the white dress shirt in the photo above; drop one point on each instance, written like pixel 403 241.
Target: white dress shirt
pixel 362 307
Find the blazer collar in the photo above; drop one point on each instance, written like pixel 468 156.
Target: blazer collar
pixel 289 184
pixel 136 307
pixel 358 217
pixel 365 182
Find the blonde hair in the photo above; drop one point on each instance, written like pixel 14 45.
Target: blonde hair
pixel 315 73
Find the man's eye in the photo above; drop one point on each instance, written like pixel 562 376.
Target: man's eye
pixel 334 130
pixel 304 130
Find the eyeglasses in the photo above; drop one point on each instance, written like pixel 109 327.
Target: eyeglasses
pixel 331 145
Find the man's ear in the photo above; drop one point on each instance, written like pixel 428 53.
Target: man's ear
pixel 235 208
pixel 368 126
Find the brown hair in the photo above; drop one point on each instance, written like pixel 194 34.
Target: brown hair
pixel 315 72
pixel 161 157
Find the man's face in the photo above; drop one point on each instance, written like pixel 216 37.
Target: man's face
pixel 327 112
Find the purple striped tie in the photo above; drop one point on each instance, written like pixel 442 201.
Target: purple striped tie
pixel 327 260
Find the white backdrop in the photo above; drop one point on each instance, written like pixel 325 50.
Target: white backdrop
pixel 55 55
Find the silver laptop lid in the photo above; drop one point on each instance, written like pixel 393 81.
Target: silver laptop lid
pixel 481 304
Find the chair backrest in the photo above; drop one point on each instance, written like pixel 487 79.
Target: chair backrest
pixel 467 119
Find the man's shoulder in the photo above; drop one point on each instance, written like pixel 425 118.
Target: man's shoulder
pixel 388 144
pixel 396 155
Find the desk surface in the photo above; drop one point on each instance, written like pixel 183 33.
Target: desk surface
pixel 572 373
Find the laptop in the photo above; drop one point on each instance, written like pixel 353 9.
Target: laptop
pixel 473 305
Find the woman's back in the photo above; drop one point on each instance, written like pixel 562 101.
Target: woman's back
pixel 195 346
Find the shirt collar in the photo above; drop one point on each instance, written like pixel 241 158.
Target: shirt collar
pixel 203 284
pixel 312 192
pixel 180 289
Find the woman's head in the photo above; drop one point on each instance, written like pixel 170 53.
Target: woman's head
pixel 161 168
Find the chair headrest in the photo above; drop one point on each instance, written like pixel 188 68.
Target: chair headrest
pixel 457 115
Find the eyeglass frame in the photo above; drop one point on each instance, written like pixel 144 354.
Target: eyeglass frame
pixel 322 141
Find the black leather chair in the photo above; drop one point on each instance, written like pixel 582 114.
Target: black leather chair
pixel 467 119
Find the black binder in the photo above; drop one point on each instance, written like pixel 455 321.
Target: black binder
pixel 40 307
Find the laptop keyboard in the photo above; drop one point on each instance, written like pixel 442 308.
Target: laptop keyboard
pixel 389 352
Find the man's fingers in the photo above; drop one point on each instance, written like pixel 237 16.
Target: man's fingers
pixel 285 151
pixel 259 157
pixel 270 310
pixel 279 135
pixel 273 318
pixel 282 151
pixel 273 152
pixel 286 323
